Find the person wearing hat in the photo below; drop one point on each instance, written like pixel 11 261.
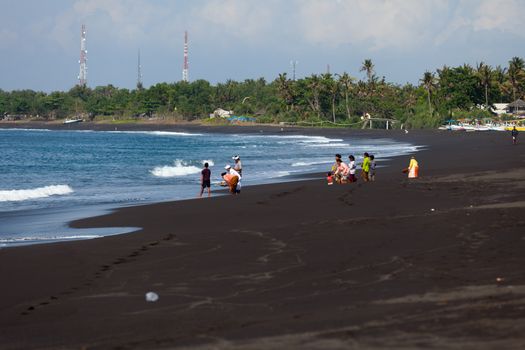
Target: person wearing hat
pixel 233 179
pixel 237 166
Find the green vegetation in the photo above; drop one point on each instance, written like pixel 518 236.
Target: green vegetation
pixel 326 99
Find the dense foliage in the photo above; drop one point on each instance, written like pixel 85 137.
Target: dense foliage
pixel 326 98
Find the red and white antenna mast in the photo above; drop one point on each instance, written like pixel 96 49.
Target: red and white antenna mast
pixel 82 76
pixel 185 69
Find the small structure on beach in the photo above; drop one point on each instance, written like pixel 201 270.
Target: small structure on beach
pixel 499 108
pixel 517 107
pixel 368 121
pixel 221 113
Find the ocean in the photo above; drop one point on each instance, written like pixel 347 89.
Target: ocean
pixel 50 177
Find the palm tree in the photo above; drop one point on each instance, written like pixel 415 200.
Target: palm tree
pixel 429 83
pixel 516 74
pixel 345 80
pixel 314 83
pixel 368 67
pixel 485 77
pixel 332 87
pixel 283 87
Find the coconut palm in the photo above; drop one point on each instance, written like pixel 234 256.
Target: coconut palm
pixel 516 74
pixel 314 84
pixel 485 77
pixel 345 81
pixel 284 86
pixel 368 67
pixel 333 88
pixel 429 84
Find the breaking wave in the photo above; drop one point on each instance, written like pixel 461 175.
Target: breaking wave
pixel 35 193
pixel 179 168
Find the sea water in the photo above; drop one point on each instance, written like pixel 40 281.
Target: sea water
pixel 49 178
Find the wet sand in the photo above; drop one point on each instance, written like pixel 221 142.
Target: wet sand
pixel 433 263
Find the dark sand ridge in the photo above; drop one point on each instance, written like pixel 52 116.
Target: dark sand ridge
pixel 296 265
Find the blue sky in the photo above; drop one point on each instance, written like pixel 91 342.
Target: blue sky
pixel 243 39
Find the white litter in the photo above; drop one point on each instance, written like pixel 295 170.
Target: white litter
pixel 152 297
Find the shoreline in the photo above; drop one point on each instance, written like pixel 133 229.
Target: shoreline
pixel 435 262
pixel 273 130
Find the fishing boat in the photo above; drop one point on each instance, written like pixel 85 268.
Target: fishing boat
pixel 73 120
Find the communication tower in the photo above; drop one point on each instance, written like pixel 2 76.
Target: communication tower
pixel 82 76
pixel 293 63
pixel 185 68
pixel 139 73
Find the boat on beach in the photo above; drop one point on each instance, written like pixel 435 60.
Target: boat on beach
pixel 456 125
pixel 73 120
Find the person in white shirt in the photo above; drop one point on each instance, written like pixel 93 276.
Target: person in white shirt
pixel 352 167
pixel 237 166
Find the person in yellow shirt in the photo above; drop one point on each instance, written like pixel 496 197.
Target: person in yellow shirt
pixel 413 168
pixel 365 167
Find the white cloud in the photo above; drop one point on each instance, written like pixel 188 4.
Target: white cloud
pixel 376 23
pixel 501 15
pixel 240 18
pixel 124 21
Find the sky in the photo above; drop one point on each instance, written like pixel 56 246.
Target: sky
pixel 249 39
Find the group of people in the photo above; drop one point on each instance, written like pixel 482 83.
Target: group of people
pixel 346 173
pixel 342 173
pixel 231 177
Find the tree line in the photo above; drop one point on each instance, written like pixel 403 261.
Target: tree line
pixel 463 91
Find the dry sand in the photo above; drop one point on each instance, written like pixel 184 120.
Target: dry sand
pixel 433 263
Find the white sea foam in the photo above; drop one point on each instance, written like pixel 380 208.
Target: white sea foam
pixel 280 174
pixel 34 193
pixel 210 162
pixel 157 133
pixel 310 163
pixel 180 168
pixel 328 145
pixel 42 238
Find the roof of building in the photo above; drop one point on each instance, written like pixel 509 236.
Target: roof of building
pixel 517 104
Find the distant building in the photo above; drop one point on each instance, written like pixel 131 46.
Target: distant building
pixel 221 113
pixel 517 107
pixel 499 108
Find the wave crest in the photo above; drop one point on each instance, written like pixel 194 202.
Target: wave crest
pixel 35 193
pixel 180 168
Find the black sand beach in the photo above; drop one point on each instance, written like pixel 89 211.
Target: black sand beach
pixel 436 262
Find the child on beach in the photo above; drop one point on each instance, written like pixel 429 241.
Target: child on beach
pixel 372 172
pixel 352 167
pixel 329 178
pixel 365 166
pixel 205 180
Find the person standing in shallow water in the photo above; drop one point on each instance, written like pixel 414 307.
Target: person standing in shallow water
pixel 237 166
pixel 205 180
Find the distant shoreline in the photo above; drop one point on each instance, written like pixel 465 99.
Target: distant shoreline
pixel 200 127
